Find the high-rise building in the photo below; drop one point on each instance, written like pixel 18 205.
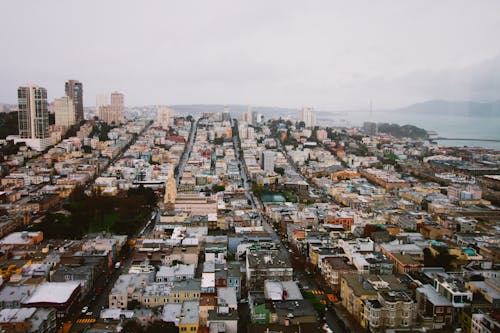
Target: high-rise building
pixel 113 112
pixel 118 104
pixel 250 115
pixel 33 117
pixel 225 115
pixel 268 157
pixel 166 117
pixel 370 128
pixel 308 116
pixel 65 111
pixel 74 90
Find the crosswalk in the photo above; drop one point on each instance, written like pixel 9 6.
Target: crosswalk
pixel 86 321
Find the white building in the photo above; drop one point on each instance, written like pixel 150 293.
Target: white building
pixel 33 117
pixel 268 157
pixel 308 116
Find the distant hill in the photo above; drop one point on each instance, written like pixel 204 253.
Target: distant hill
pixel 466 108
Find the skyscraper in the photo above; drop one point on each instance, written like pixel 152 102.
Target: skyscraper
pixel 250 115
pixel 226 116
pixel 33 117
pixel 370 128
pixel 308 116
pixel 74 90
pixel 65 111
pixel 117 105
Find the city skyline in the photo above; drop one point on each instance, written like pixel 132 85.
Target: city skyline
pixel 326 55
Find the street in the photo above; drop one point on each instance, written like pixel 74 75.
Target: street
pixel 306 281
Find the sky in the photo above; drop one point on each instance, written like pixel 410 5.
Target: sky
pixel 331 55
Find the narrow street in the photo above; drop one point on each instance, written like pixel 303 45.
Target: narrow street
pixel 187 152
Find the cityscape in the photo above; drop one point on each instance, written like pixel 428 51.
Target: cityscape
pixel 175 216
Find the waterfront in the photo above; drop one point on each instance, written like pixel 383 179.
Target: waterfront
pixel 445 125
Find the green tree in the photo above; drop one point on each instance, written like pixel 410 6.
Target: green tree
pixel 133 304
pixel 159 326
pixel 279 170
pixel 132 326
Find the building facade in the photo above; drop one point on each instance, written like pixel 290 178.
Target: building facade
pixel 74 90
pixel 33 117
pixel 64 111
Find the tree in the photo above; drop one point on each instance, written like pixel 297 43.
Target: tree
pixel 218 188
pixel 279 170
pixel 132 326
pixel 442 259
pixel 78 194
pixel 87 149
pixel 133 304
pixel 159 326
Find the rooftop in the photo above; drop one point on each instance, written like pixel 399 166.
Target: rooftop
pixel 53 292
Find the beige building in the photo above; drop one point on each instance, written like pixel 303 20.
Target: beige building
pixel 357 291
pixel 188 290
pixel 391 309
pixel 166 117
pixel 64 112
pixel 124 288
pixel 112 112
pixel 196 204
pixel 170 190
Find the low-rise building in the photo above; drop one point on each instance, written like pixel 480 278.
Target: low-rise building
pixel 27 320
pixel 434 311
pixel 265 262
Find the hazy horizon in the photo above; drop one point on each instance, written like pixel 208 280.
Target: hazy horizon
pixel 329 55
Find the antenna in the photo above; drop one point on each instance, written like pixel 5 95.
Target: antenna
pixel 371 109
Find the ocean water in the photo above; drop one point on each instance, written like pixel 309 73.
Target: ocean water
pixel 468 127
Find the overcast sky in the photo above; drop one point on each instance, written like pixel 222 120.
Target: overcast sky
pixel 326 54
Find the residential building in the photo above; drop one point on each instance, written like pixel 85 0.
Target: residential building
pixel 112 112
pixel 356 289
pixel 332 270
pixel 265 262
pixel 74 90
pixel 308 116
pixel 434 311
pixel 484 323
pixel 391 309
pixel 26 320
pixel 165 117
pixel 185 315
pixel 33 117
pixel 268 157
pixel 64 112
